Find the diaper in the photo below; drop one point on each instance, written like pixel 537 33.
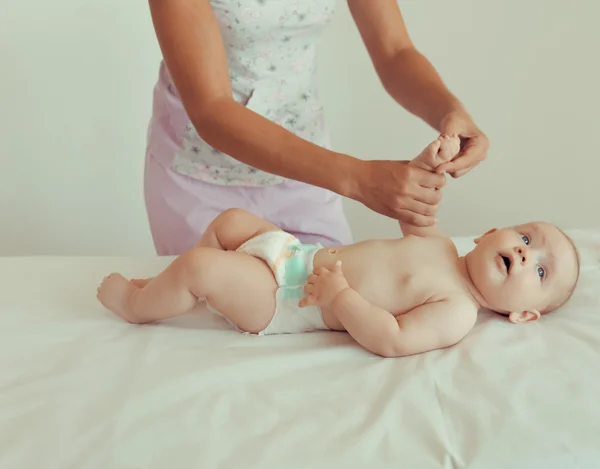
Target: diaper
pixel 291 263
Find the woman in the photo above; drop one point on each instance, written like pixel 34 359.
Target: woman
pixel 237 121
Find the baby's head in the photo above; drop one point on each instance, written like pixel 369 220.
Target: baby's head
pixel 524 271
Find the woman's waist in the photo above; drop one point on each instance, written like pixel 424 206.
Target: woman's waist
pixel 281 90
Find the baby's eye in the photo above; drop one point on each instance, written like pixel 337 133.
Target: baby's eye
pixel 541 272
pixel 525 239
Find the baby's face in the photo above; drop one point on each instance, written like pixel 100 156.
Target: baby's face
pixel 525 268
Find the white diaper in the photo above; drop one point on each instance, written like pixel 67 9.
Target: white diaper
pixel 291 263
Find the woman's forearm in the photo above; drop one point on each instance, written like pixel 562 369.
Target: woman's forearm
pixel 415 84
pixel 252 139
pixel 191 42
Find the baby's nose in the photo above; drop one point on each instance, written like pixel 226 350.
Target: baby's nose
pixel 523 254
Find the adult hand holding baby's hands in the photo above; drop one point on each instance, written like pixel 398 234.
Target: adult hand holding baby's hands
pixel 323 286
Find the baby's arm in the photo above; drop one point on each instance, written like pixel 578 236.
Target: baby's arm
pixel 438 152
pixel 428 327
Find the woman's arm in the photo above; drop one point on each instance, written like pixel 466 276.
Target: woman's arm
pixel 192 46
pixel 191 43
pixel 404 72
pixel 413 81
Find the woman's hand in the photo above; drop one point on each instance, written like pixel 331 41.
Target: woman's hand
pixel 400 191
pixel 474 144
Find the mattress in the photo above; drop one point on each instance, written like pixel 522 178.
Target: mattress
pixel 81 389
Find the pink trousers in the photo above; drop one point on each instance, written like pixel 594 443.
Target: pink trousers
pixel 180 208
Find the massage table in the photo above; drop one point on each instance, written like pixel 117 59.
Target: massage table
pixel 79 388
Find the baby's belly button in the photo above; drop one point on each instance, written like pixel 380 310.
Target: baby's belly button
pixel 325 258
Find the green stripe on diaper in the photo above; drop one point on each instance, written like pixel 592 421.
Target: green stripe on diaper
pixel 296 271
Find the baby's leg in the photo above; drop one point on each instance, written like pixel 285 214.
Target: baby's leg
pixel 239 286
pixel 232 228
pixel 140 282
pixel 441 150
pixel 227 232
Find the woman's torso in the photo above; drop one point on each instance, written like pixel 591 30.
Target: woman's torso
pixel 271 48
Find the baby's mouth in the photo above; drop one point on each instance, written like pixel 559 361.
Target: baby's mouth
pixel 506 261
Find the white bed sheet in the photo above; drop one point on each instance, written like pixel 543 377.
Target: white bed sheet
pixel 81 389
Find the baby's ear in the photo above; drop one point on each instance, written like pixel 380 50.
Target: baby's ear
pixel 489 232
pixel 524 316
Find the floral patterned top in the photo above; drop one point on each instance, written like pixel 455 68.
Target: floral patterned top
pixel 271 50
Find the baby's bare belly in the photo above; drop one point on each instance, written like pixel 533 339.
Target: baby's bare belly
pixel 394 275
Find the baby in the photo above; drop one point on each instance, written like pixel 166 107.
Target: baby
pixel 395 297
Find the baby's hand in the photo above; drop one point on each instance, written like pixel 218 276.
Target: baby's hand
pixel 323 286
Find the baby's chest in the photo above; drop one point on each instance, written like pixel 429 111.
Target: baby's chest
pixel 420 282
pixel 395 290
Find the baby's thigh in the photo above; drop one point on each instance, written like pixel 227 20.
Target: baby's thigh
pixel 242 288
pixel 234 227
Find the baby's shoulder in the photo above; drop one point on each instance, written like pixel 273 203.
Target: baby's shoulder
pixel 447 244
pixel 443 243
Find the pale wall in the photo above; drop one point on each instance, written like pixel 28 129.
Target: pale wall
pixel 75 99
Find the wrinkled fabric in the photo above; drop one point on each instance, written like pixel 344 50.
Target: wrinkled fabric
pixel 81 388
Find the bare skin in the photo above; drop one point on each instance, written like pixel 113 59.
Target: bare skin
pixel 395 297
pixel 240 286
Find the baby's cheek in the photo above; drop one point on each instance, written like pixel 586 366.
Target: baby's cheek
pixel 529 294
pixel 518 293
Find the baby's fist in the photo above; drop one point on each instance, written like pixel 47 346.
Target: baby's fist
pixel 323 286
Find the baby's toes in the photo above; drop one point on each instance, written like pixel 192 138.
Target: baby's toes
pixel 449 148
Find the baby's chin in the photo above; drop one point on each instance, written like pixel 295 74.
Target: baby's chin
pixel 500 313
pixel 506 310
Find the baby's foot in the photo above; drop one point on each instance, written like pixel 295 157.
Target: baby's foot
pixel 114 294
pixel 448 149
pixel 440 151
